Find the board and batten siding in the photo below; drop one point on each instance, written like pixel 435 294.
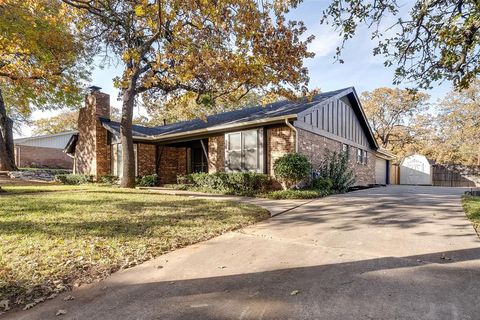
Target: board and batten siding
pixel 55 141
pixel 336 120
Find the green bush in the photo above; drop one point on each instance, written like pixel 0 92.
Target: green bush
pixel 147 181
pixel 291 169
pixel 322 184
pixel 109 179
pixel 74 179
pixel 236 183
pixel 184 179
pixel 335 167
pixel 294 194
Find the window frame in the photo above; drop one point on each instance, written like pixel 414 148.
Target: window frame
pixel 258 149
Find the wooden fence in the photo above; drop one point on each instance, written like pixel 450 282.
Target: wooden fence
pixel 455 175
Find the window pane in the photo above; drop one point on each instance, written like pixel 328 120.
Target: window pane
pixel 234 141
pixel 251 162
pixel 250 139
pixel 235 160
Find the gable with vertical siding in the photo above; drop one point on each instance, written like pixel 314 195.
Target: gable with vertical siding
pixel 340 118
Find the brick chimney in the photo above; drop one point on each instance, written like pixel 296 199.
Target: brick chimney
pixel 92 152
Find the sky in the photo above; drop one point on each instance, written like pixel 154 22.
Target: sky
pixel 360 69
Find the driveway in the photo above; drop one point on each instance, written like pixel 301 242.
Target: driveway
pixel 385 253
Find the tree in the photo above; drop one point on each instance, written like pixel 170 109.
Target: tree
pixel 64 121
pixel 437 40
pixel 182 109
pixel 40 63
pixel 199 51
pixel 395 116
pixel 458 123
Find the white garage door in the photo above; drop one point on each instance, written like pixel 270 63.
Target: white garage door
pixel 380 171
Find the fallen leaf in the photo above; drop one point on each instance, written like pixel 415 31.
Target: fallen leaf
pixel 29 306
pixel 68 298
pixel 61 312
pixel 4 304
pixel 53 295
pixel 222 267
pixel 294 292
pixel 159 267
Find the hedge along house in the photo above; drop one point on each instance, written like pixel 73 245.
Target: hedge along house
pixel 249 139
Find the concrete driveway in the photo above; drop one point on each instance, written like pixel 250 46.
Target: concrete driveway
pixel 385 253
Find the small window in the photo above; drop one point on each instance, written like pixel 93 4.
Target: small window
pixel 345 148
pixel 359 156
pixel 364 157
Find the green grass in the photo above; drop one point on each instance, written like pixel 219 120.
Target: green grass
pixel 295 194
pixel 55 237
pixel 471 205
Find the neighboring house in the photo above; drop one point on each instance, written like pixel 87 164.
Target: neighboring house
pixel 249 139
pixel 44 151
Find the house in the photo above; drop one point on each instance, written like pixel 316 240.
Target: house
pixel 44 151
pixel 249 139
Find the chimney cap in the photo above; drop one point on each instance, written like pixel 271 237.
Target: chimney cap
pixel 94 88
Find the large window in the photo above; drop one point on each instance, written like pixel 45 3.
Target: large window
pixel 244 151
pixel 361 156
pixel 117 159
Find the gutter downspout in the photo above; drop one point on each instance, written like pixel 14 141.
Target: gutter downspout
pixel 296 133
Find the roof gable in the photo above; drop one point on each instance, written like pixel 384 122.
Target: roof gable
pixel 342 118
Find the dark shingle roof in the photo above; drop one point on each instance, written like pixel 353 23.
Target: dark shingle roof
pixel 281 108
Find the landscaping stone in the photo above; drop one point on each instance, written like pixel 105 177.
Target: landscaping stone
pixel 42 175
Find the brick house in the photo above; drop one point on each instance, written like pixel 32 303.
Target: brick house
pixel 44 151
pixel 249 139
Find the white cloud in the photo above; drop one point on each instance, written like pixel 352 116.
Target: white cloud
pixel 325 42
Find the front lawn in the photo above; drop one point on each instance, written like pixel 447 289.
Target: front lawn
pixel 56 237
pixel 471 205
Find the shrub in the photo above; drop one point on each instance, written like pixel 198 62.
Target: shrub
pixel 294 194
pixel 215 182
pixel 147 181
pixel 184 179
pixel 74 179
pixel 322 184
pixel 108 179
pixel 237 183
pixel 291 169
pixel 335 168
pixel 247 183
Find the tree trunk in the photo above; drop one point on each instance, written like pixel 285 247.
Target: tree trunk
pixel 128 156
pixel 7 154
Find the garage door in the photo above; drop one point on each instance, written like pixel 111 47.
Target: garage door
pixel 380 171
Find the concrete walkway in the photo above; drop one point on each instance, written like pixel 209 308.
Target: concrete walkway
pixel 275 207
pixel 385 253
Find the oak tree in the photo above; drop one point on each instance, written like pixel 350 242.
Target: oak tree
pixel 42 63
pixel 434 41
pixel 458 127
pixel 64 121
pixel 198 51
pixel 394 115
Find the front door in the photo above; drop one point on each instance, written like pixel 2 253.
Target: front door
pixel 199 161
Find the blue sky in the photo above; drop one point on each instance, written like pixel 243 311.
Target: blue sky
pixel 361 69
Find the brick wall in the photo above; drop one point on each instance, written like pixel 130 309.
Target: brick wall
pixel 173 162
pixel 146 157
pixel 216 153
pixel 280 141
pixel 40 157
pixel 314 147
pixel 92 153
